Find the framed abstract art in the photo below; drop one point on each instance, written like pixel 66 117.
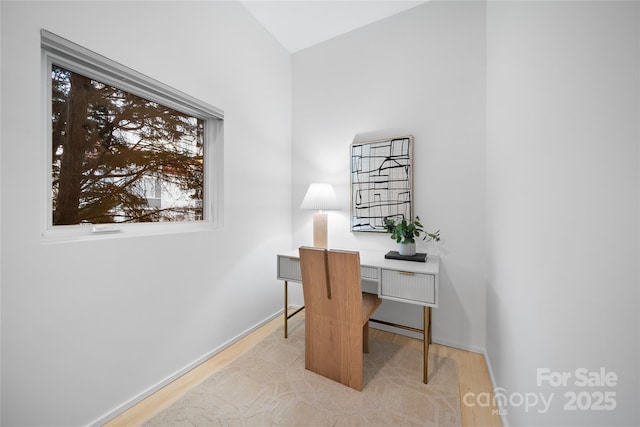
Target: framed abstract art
pixel 381 182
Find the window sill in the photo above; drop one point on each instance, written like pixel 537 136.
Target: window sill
pixel 80 233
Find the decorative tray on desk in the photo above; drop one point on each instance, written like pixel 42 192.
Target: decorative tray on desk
pixel 419 257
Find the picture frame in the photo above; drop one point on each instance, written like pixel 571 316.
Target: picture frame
pixel 381 182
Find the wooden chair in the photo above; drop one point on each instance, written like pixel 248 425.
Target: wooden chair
pixel 336 315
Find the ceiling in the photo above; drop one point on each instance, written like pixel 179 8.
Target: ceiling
pixel 298 24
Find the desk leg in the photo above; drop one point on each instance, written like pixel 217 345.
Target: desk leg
pixel 427 340
pixel 286 306
pixel 430 318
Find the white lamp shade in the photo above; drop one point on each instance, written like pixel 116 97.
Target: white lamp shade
pixel 320 197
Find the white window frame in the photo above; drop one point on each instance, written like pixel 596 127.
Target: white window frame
pixel 64 53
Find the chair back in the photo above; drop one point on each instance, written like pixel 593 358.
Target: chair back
pixel 344 277
pixel 331 284
pixel 333 314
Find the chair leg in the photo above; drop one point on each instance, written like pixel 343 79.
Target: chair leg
pixel 365 337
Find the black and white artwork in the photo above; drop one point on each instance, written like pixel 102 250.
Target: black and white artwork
pixel 381 182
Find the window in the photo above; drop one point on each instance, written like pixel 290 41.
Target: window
pixel 125 149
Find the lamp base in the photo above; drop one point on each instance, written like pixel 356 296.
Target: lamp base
pixel 320 230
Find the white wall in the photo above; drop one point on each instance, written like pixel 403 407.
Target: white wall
pixel 562 179
pixel 87 326
pixel 0 223
pixel 421 72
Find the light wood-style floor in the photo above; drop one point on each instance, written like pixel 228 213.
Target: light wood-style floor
pixel 473 377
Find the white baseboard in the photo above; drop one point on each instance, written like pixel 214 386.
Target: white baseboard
pixel 503 416
pixel 460 346
pixel 148 392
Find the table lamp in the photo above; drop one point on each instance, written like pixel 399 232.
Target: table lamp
pixel 319 197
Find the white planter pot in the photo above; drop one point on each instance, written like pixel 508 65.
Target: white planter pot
pixel 407 249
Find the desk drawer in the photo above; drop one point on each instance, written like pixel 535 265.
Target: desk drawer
pixel 289 269
pixel 370 273
pixel 416 288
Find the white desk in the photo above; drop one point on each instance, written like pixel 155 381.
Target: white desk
pixel 404 281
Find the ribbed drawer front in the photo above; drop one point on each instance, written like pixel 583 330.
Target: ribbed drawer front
pixel 289 269
pixel 369 273
pixel 413 287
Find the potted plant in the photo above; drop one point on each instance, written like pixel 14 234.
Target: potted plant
pixel 405 232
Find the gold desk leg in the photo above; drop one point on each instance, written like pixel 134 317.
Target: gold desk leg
pixel 427 340
pixel 430 318
pixel 286 305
